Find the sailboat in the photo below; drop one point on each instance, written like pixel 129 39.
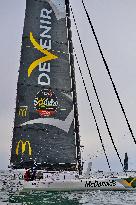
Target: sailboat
pixel 46 129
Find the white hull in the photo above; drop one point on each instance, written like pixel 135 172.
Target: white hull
pixel 109 184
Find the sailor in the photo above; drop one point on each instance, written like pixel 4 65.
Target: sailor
pixel 33 175
pixel 39 175
pixel 27 175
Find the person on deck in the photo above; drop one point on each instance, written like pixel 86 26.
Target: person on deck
pixel 33 176
pixel 39 175
pixel 27 175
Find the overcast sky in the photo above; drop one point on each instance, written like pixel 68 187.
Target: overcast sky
pixel 115 25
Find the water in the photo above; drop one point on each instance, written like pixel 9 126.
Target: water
pixel 8 197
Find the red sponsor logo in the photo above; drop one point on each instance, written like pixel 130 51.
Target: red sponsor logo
pixel 46 103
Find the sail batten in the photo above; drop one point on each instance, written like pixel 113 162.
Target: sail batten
pixel 45 128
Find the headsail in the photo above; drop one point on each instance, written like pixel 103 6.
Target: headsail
pixel 46 118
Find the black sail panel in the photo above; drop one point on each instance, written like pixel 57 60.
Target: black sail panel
pixel 44 131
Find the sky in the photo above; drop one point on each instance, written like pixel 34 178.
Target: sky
pixel 114 23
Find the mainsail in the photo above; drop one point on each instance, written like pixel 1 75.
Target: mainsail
pixel 46 130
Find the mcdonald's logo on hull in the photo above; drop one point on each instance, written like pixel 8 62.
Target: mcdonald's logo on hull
pixel 23 144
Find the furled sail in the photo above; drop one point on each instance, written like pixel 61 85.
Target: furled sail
pixel 46 119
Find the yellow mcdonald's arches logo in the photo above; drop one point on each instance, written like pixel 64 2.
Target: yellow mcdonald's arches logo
pixel 23 111
pixel 49 56
pixel 23 147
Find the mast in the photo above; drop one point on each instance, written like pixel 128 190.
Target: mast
pixel 73 86
pixel 126 162
pixel 46 128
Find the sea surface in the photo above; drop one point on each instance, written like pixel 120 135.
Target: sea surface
pixel 10 196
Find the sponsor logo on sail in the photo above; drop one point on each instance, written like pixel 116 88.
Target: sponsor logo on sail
pixel 46 103
pixel 23 111
pixel 61 124
pixel 44 46
pixel 49 56
pixel 22 145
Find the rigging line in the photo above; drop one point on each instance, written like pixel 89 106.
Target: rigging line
pixel 95 88
pixel 97 127
pixel 107 68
